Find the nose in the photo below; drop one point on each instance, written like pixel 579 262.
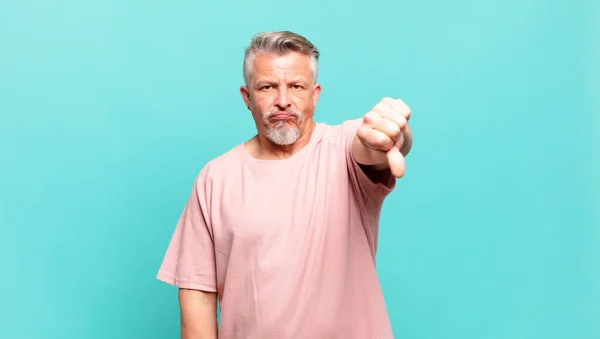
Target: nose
pixel 283 99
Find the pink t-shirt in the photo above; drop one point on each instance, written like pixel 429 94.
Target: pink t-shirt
pixel 289 245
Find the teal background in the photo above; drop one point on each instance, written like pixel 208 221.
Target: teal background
pixel 108 110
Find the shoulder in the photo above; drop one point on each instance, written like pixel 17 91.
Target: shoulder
pixel 220 167
pixel 344 125
pixel 341 132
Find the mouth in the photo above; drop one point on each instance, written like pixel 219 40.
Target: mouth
pixel 283 116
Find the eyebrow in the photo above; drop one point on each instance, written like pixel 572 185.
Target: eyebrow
pixel 273 81
pixel 266 81
pixel 298 79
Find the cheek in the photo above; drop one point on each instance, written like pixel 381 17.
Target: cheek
pixel 303 95
pixel 258 101
pixel 303 100
pixel 264 99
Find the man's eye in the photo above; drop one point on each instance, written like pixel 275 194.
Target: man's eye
pixel 297 86
pixel 266 87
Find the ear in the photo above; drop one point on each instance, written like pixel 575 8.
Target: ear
pixel 316 93
pixel 245 95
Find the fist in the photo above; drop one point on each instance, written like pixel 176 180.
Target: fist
pixel 382 131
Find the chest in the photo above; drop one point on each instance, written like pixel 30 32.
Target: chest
pixel 272 210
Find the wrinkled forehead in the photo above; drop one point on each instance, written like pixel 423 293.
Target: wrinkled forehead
pixel 290 65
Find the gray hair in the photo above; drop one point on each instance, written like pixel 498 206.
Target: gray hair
pixel 280 43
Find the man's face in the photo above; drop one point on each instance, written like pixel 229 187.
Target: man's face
pixel 281 95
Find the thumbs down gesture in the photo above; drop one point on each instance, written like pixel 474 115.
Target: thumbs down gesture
pixel 384 137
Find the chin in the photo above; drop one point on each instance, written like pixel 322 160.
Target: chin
pixel 284 135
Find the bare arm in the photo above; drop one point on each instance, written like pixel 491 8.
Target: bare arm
pixel 198 314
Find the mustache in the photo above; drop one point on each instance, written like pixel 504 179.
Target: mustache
pixel 274 110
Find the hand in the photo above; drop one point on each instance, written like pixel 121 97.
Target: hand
pixel 382 131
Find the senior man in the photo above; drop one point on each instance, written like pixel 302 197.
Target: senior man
pixel 281 230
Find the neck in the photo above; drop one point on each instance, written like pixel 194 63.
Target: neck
pixel 262 148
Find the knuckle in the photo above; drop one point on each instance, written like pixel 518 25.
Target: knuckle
pixel 387 100
pixel 402 122
pixel 401 103
pixel 406 110
pixel 395 129
pixel 362 132
pixel 380 107
pixel 384 142
pixel 370 117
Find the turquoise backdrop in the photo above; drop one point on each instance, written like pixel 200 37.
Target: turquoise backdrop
pixel 108 110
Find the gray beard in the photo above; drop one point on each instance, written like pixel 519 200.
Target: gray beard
pixel 281 133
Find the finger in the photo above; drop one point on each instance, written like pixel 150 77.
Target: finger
pixel 396 162
pixel 399 141
pixel 390 121
pixel 374 139
pixel 396 118
pixel 399 106
pixel 372 118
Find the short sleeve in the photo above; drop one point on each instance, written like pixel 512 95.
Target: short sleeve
pixel 189 261
pixel 374 186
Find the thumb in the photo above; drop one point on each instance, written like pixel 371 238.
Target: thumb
pixel 396 162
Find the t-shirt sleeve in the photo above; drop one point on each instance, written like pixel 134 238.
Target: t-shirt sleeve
pixel 372 186
pixel 189 261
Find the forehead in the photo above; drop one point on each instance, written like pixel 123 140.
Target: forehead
pixel 290 64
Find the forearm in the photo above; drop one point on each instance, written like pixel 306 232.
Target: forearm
pixel 198 314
